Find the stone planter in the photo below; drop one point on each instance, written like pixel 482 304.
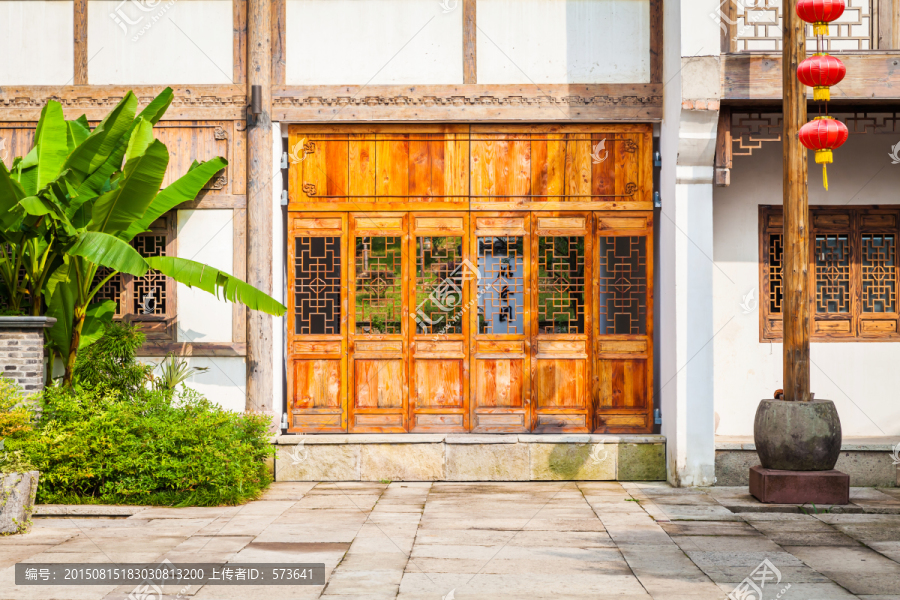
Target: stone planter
pixel 797 436
pixel 22 350
pixel 17 501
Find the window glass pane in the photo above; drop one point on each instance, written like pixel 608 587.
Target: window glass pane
pixel 150 294
pixel 832 273
pixel 623 285
pixel 561 284
pixel 439 281
pixel 501 289
pixel 379 285
pixel 879 273
pixel 317 286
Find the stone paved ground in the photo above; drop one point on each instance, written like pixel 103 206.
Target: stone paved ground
pixel 522 541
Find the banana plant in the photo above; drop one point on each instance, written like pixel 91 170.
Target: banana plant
pixel 80 197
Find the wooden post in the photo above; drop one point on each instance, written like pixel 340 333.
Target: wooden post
pixel 259 209
pixel 796 212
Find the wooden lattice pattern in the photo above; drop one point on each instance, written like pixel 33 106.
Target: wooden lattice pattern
pixel 317 285
pixel 111 290
pixel 776 291
pixel 561 284
pixel 379 285
pixel 622 273
pixel 501 290
pixel 150 296
pixel 439 284
pixel 832 273
pixel 879 273
pixel 758 27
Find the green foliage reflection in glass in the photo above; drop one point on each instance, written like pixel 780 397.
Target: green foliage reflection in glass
pixel 379 285
pixel 561 284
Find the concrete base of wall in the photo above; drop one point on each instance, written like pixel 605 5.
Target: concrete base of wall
pixel 455 457
pixel 869 461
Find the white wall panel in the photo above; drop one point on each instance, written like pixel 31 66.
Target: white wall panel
pixel 36 43
pixel 160 42
pixel 205 236
pixel 861 378
pixel 338 42
pixel 224 382
pixel 563 41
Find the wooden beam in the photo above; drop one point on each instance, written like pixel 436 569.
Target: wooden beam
pixel 723 148
pixel 239 9
pixel 796 213
pixel 195 102
pixel 758 77
pixel 279 55
pixel 81 48
pixel 475 102
pixel 656 41
pixel 259 209
pixel 470 37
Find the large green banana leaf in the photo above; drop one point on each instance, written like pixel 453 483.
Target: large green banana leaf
pixel 184 189
pixel 117 209
pixel 109 251
pixel 50 148
pixel 11 193
pixel 208 279
pixel 62 308
pixel 103 141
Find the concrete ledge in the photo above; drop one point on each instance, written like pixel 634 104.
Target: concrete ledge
pixel 462 457
pixel 26 322
pixel 85 510
pixel 868 460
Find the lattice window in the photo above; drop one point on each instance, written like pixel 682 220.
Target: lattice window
pixel 879 273
pixel 776 292
pixel 501 289
pixel 317 286
pixel 853 272
pixel 150 296
pixel 758 27
pixel 561 284
pixel 440 274
pixel 379 285
pixel 622 273
pixel 832 273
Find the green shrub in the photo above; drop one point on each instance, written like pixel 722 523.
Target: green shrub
pixel 155 448
pixel 16 412
pixel 118 437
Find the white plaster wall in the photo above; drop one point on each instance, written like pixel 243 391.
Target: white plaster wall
pixel 563 41
pixel 36 43
pixel 160 42
pixel 376 42
pixel 224 382
pixel 861 378
pixel 205 236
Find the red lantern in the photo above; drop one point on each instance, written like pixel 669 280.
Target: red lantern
pixel 820 71
pixel 820 13
pixel 823 134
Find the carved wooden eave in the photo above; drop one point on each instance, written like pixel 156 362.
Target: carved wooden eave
pixel 607 102
pixel 212 102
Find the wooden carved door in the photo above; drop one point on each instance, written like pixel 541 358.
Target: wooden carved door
pixel 501 323
pixel 317 322
pixel 623 333
pixel 560 294
pixel 378 323
pixel 439 291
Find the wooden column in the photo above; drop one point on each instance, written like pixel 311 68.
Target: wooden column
pixel 259 208
pixel 796 213
pixel 80 74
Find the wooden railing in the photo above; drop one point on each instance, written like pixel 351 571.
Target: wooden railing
pixel 755 26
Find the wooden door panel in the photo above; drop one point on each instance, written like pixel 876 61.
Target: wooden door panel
pixel 378 323
pixel 317 322
pixel 501 323
pixel 441 274
pixel 439 383
pixel 561 297
pixel 624 323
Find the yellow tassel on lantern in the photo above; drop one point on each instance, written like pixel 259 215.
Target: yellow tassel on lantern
pixel 824 157
pixel 822 93
pixel 820 28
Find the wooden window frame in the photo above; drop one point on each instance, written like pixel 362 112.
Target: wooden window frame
pixel 854 325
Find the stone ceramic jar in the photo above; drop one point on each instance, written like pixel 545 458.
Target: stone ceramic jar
pixel 797 436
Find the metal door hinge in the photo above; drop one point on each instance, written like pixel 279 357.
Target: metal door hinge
pixel 657 418
pixel 284 160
